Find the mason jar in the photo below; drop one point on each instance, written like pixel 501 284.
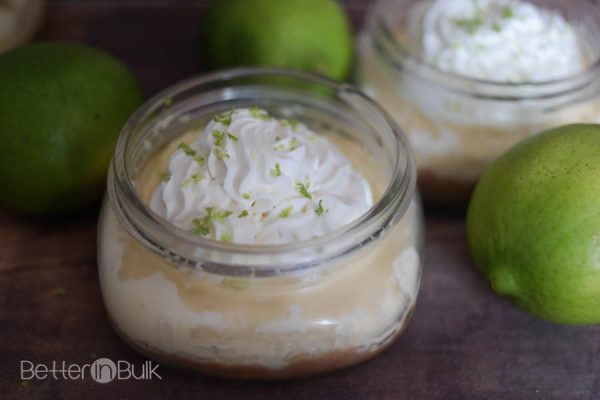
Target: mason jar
pixel 262 311
pixel 458 125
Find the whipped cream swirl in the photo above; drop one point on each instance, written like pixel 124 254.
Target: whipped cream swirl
pixel 250 178
pixel 497 40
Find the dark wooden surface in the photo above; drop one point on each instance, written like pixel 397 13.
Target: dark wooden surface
pixel 464 342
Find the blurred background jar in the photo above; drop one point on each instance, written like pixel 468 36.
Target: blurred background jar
pixel 441 69
pixel 19 20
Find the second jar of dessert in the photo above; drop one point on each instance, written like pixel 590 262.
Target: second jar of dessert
pixel 260 224
pixel 467 79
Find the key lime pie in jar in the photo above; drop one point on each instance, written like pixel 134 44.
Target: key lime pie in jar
pixel 260 224
pixel 467 79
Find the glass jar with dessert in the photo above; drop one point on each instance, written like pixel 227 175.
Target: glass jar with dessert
pixel 467 79
pixel 260 224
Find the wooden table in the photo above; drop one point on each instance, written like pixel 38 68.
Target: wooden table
pixel 464 342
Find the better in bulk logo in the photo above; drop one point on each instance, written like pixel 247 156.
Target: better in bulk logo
pixel 103 370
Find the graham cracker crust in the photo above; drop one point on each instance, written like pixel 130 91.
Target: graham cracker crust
pixel 298 369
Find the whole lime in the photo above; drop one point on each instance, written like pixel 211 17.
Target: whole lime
pixel 534 224
pixel 62 107
pixel 311 35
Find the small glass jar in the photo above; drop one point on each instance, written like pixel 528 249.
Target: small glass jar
pixel 20 20
pixel 261 311
pixel 456 125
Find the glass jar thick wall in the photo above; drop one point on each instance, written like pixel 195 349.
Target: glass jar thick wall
pixel 458 126
pixel 262 311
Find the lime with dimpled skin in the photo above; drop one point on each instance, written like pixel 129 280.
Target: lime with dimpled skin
pixel 311 35
pixel 533 224
pixel 62 107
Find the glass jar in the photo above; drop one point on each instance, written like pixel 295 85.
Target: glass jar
pixel 456 125
pixel 261 311
pixel 20 22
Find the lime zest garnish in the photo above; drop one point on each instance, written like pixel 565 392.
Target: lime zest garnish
pixel 188 151
pixel 320 210
pixel 286 212
pixel 292 123
pixel 167 101
pixel 226 237
pixel 470 25
pixel 202 225
pixel 246 196
pixel 219 216
pixel 292 145
pixel 218 136
pixel 243 214
pixel 221 154
pixel 303 189
pixel 275 171
pixel 195 178
pixel 259 113
pixel 224 118
pixel 507 12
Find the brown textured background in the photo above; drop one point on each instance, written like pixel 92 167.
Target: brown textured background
pixel 464 342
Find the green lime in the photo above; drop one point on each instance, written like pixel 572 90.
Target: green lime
pixel 534 224
pixel 62 107
pixel 311 35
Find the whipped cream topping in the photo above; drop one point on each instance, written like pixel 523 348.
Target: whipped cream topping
pixel 253 179
pixel 497 40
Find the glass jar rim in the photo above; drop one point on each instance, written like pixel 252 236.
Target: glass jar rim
pixel 400 58
pixel 147 226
